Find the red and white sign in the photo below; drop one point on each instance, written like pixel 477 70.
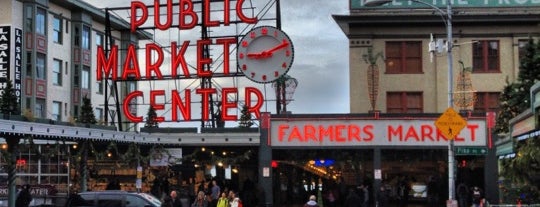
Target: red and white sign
pixel 371 133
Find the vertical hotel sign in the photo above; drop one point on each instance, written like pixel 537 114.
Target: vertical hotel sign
pixel 7 54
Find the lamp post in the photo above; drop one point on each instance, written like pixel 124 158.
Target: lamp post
pixel 449 42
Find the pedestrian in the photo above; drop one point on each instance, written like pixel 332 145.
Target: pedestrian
pixel 236 202
pixel 223 201
pixel 353 199
pixel 175 200
pixel 200 200
pixel 364 189
pixel 403 192
pixel 215 192
pixel 463 195
pixel 312 202
pixel 476 197
pixel 167 201
pixel 24 197
pixel 382 197
pixel 433 192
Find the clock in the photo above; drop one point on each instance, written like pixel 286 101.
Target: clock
pixel 264 54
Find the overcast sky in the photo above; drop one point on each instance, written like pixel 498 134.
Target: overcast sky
pixel 321 60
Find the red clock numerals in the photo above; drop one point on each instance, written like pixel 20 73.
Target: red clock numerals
pixel 241 56
pixel 288 53
pixel 245 43
pixel 276 73
pixel 264 31
pixel 284 65
pixel 244 67
pixel 253 35
pixel 264 77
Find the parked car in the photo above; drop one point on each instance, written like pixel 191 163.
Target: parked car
pixel 112 198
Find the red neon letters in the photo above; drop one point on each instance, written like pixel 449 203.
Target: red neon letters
pixel 187 17
pixel 185 105
pixel 354 133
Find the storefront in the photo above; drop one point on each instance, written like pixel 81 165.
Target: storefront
pixel 366 149
pixel 44 165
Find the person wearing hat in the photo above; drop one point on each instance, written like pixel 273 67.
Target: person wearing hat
pixel 312 202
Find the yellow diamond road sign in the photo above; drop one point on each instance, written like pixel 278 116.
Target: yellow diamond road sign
pixel 450 123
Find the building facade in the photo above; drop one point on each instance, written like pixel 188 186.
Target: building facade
pixel 51 57
pixel 398 63
pixel 48 52
pixel 487 40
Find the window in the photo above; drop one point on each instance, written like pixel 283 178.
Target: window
pixel 99 114
pixel 57 111
pixel 29 14
pixel 486 56
pixel 133 201
pixel 404 102
pixel 41 21
pixel 99 86
pixel 76 74
pixel 99 39
pixel 76 37
pixel 404 57
pixel 85 78
pixel 57 72
pixel 86 37
pixel 132 86
pixel 75 111
pixel 486 102
pixel 29 64
pixel 39 108
pixel 109 200
pixel 40 66
pixel 57 30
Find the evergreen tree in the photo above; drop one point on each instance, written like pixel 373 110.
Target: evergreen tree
pixel 8 100
pixel 509 106
pixel 151 118
pixel 87 112
pixel 515 99
pixel 245 118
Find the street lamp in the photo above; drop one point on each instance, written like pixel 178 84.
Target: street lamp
pixel 447 17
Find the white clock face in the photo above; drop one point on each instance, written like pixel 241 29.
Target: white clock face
pixel 264 54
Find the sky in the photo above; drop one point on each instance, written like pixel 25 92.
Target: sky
pixel 321 59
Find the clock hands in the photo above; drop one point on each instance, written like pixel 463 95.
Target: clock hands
pixel 276 48
pixel 268 53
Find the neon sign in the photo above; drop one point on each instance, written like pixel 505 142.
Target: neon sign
pixel 371 133
pixel 107 66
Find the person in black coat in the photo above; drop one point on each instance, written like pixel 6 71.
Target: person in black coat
pixel 353 199
pixel 24 197
pixel 383 197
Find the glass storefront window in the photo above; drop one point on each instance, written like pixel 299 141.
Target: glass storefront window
pixel 41 164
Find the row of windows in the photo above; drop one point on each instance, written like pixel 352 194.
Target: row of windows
pixel 406 56
pixel 412 102
pixel 56 113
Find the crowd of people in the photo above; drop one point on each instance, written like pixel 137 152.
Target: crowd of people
pixel 206 194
